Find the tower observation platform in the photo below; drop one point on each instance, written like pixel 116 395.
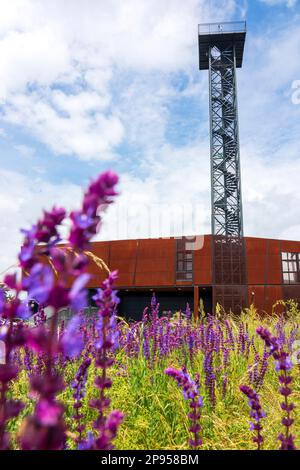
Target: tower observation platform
pixel 222 35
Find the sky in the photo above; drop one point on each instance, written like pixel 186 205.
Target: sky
pixel 90 85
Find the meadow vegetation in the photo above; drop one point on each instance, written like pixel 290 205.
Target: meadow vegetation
pixel 168 381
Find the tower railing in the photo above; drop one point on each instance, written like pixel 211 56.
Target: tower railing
pixel 221 28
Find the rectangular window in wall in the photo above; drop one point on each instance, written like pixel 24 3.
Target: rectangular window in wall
pixel 184 260
pixel 290 268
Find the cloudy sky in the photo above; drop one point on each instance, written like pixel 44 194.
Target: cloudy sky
pixel 87 85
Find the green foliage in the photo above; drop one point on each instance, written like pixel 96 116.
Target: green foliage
pixel 155 411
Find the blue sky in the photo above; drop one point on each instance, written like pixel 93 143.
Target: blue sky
pixel 86 86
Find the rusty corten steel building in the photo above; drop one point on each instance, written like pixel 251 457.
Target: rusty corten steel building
pixel 181 270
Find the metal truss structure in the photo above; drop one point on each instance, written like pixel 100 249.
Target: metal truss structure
pixel 229 273
pixel 227 218
pixel 221 48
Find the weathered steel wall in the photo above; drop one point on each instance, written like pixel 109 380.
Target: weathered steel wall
pixel 151 264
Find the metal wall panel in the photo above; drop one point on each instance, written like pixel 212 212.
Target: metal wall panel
pixel 265 296
pixel 272 295
pixel 155 263
pixel 203 261
pixel 256 249
pixel 123 258
pixel 290 246
pixel 256 296
pixel 101 250
pixel 274 275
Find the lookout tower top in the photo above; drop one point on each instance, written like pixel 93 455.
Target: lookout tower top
pixel 221 35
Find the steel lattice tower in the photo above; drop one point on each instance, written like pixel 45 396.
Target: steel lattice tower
pixel 221 48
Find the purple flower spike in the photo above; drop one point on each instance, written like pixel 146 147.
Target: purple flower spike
pixel 46 273
pixel 190 393
pixel 71 343
pixel 188 313
pixel 85 221
pixel 39 283
pixel 153 301
pixel 44 231
pixel 106 342
pixel 283 366
pixel 78 294
pixel 256 414
pixel 79 392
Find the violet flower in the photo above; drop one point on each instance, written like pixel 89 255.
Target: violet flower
pixel 105 427
pixel 190 393
pixel 146 342
pixel 153 301
pixel 79 391
pixel 45 428
pixel 283 365
pixel 71 340
pixel 85 222
pixel 188 313
pixel 210 376
pixel 191 344
pixel 263 368
pixel 12 337
pixel 256 414
pixel 44 231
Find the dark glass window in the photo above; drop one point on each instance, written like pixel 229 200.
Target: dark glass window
pixel 184 260
pixel 290 267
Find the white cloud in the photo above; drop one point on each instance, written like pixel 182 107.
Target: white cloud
pixel 174 198
pixel 22 198
pixel 288 3
pixel 271 204
pixel 169 200
pixel 31 57
pixel 65 124
pixel 25 150
pixel 85 47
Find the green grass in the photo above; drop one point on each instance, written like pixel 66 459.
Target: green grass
pixel 155 411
